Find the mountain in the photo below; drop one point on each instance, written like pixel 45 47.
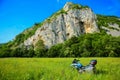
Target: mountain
pixel 63 28
pixel 72 20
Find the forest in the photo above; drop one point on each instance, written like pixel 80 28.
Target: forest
pixel 87 45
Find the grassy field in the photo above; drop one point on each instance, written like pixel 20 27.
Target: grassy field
pixel 56 69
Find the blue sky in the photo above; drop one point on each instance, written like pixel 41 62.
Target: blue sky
pixel 17 15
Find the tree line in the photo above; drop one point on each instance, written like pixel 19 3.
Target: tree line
pixel 87 45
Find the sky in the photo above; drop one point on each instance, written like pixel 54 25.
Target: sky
pixel 18 15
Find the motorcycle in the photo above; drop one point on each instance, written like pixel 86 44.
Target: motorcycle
pixel 80 68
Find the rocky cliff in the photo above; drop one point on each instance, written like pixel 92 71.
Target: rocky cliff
pixel 110 24
pixel 72 20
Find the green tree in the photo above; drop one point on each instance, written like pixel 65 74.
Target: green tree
pixel 40 50
pixel 5 52
pixel 55 51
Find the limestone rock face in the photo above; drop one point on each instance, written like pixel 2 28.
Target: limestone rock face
pixel 72 23
pixel 67 6
pixel 113 32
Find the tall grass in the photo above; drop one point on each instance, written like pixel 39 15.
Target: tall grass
pixel 56 69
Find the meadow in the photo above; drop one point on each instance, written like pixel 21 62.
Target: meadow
pixel 56 69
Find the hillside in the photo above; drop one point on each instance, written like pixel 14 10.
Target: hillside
pixel 65 32
pixel 110 24
pixel 72 20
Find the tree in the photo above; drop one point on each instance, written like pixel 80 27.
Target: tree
pixel 5 52
pixel 31 52
pixel 55 51
pixel 40 50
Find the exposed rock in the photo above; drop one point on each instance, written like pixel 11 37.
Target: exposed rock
pixel 67 6
pixel 114 31
pixel 74 23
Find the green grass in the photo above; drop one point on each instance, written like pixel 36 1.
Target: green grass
pixel 56 69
